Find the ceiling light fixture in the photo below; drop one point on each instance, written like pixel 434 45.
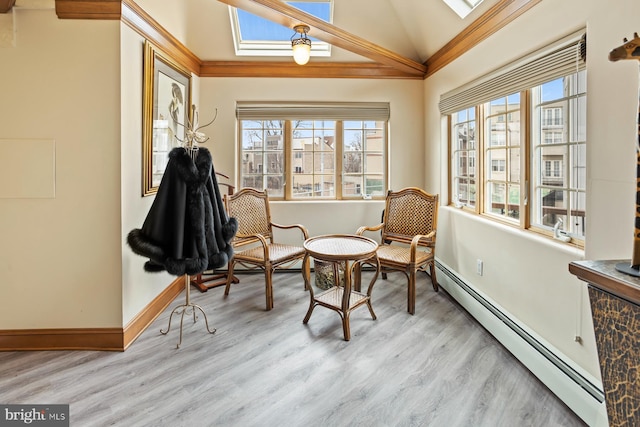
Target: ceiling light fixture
pixel 302 45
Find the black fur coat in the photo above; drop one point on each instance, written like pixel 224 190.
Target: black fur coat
pixel 187 230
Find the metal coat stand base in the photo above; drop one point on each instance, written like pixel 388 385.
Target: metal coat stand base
pixel 187 308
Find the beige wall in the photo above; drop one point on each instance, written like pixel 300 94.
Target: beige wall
pixel 60 256
pixel 405 155
pixel 526 274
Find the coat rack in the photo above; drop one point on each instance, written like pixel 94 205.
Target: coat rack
pixel 185 308
pixel 187 230
pixel 188 306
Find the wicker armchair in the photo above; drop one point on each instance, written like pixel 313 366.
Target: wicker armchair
pixel 408 240
pixel 253 244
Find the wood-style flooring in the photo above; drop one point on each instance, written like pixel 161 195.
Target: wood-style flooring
pixel 438 367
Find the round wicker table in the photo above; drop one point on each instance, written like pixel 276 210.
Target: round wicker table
pixel 350 251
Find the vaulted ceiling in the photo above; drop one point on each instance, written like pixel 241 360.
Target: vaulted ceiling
pixel 370 38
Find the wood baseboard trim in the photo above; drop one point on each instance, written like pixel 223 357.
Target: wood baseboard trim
pixel 101 339
pixel 107 339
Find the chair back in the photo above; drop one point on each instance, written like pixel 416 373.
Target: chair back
pixel 409 212
pixel 251 209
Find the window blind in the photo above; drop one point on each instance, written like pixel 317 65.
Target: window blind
pixel 246 110
pixel 564 57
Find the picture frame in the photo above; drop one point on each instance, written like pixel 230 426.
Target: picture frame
pixel 166 111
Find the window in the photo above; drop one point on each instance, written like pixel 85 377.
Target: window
pixel 502 151
pixel 462 7
pixel 256 36
pixel 559 186
pixel 314 151
pixel 532 141
pixel 463 141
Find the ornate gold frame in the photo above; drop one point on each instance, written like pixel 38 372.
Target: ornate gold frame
pixel 167 97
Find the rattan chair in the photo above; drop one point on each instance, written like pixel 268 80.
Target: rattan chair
pixel 408 239
pixel 254 245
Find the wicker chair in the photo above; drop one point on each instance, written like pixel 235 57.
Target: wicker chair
pixel 408 240
pixel 254 244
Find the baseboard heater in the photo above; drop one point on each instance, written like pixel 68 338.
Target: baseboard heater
pixel 593 390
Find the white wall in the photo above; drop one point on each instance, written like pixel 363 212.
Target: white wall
pixel 60 256
pixel 525 273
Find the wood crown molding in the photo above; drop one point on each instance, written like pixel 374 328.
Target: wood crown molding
pixel 88 9
pixel 314 69
pixel 487 24
pixel 388 65
pixel 6 5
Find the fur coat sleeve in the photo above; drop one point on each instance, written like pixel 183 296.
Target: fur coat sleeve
pixel 187 230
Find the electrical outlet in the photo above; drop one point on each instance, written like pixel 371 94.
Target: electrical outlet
pixel 479 267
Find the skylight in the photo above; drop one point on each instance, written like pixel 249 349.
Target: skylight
pixel 256 36
pixel 462 7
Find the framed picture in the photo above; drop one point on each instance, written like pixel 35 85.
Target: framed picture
pixel 166 107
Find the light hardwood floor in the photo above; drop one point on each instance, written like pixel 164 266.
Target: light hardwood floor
pixel 436 368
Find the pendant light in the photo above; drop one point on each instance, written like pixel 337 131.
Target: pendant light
pixel 302 45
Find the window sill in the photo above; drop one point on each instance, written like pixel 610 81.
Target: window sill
pixel 572 248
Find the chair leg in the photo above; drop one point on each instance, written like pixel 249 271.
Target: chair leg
pixel 434 281
pixel 345 327
pixel 230 266
pixel 268 276
pixel 411 293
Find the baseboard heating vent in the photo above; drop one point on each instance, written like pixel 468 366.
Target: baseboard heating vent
pixel 593 390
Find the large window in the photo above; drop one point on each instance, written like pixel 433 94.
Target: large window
pixel 531 118
pixel 314 151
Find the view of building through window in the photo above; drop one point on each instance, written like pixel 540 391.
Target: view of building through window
pixel 559 154
pixel 555 141
pixel 305 159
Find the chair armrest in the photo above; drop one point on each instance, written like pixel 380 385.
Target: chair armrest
pixel 429 239
pixel 300 227
pixel 364 228
pixel 245 239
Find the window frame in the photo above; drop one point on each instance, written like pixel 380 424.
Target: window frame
pixel 527 109
pixel 366 113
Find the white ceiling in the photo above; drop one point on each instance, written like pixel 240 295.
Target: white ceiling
pixel 415 29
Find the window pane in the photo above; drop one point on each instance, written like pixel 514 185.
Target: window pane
pixel 496 162
pixel 352 162
pixel 513 202
pixel 262 167
pixel 578 117
pixel 496 193
pixel 374 185
pixel 552 90
pixel 302 186
pixel 514 165
pixel 363 162
pixel 324 186
pixel 274 186
pixel 324 162
pixel 578 164
pixel 502 156
pixel 352 186
pixel 559 154
pixel 463 160
pixel 315 141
